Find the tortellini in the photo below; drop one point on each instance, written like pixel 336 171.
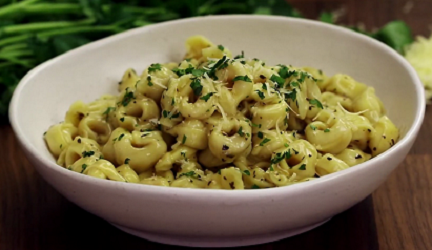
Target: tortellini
pixel 216 121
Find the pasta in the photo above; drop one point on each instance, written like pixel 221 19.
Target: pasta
pixel 220 122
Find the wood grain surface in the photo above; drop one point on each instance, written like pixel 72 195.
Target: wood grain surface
pixel 398 215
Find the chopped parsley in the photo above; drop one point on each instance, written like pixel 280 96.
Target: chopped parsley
pixel 260 94
pixel 155 66
pixel 184 139
pixel 207 97
pixel 278 157
pixel 183 153
pixel 313 127
pixel 172 102
pixel 240 132
pixel 165 113
pixel 221 64
pixel 106 112
pixel 126 161
pixel 122 119
pixel 128 96
pixel 326 130
pixel 264 141
pixel 254 186
pixel 221 47
pixel 177 115
pixel 120 137
pixel 244 78
pixel 187 174
pixel 198 72
pixel 294 84
pixel 246 172
pixel 271 168
pixel 84 166
pixel 302 76
pixel 240 56
pixel 256 125
pixel 264 86
pixel 182 72
pixel 302 167
pixel 291 95
pixel 277 79
pixel 316 103
pixel 87 153
pixel 149 81
pixel 196 87
pixel 286 145
pixel 260 135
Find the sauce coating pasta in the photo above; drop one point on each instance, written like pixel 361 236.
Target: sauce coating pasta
pixel 221 122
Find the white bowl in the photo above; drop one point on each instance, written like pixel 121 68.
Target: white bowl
pixel 217 217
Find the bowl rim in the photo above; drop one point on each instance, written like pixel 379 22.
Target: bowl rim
pixel 161 190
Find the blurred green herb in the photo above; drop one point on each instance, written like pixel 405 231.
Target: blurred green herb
pixel 33 31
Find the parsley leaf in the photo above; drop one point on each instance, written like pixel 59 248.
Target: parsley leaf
pixel 164 113
pixel 87 153
pixel 240 56
pixel 126 161
pixel 221 47
pixel 149 81
pixel 326 130
pixel 302 167
pixel 313 127
pixel 291 95
pixel 316 103
pixel 196 87
pixel 128 96
pixel 182 72
pixel 240 132
pixel 246 172
pixel 244 78
pixel 155 66
pixel 264 141
pixel 120 137
pixel 277 79
pixel 264 86
pixel 184 139
pixel 260 135
pixel 260 94
pixel 187 174
pixel 109 109
pixel 84 166
pixel 254 186
pixel 207 97
pixel 198 72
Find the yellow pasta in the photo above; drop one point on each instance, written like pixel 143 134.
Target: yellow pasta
pixel 214 121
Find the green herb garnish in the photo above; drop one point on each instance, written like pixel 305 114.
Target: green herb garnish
pixel 260 94
pixel 84 166
pixel 207 97
pixel 154 67
pixel 264 141
pixel 184 139
pixel 244 78
pixel 196 87
pixel 87 153
pixel 316 103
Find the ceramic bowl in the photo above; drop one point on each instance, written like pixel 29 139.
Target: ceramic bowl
pixel 213 218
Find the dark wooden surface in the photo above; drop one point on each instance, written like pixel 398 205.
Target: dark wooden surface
pixel 396 216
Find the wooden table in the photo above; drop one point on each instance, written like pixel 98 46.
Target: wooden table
pixel 396 216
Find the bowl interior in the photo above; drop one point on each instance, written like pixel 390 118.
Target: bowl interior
pixel 45 94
